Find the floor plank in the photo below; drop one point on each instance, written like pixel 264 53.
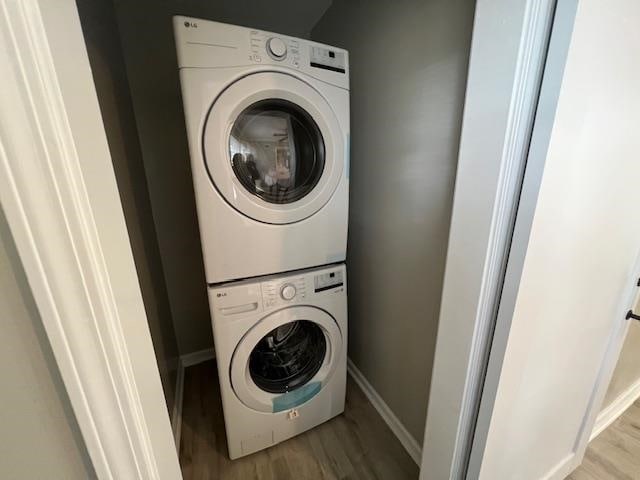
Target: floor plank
pixel 355 445
pixel 615 453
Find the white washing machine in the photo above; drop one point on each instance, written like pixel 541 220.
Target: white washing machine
pixel 268 123
pixel 281 349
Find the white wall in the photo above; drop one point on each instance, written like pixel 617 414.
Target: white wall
pixel 39 437
pixel 408 73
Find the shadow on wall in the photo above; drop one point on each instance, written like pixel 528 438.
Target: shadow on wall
pixel 149 51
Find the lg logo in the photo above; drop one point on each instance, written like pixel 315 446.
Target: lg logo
pixel 221 294
pixel 190 24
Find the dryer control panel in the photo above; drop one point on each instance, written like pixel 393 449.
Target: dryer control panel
pixel 328 59
pixel 278 48
pixel 207 44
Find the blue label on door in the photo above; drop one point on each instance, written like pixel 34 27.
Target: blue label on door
pixel 297 397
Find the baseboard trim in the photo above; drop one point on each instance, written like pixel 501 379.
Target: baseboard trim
pixel 616 408
pixel 185 361
pixel 406 439
pixel 176 419
pixel 200 356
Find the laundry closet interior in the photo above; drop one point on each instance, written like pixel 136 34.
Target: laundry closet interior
pixel 322 114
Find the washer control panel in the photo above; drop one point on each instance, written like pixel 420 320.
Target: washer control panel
pixel 288 291
pixel 327 281
pixel 283 292
pixel 247 298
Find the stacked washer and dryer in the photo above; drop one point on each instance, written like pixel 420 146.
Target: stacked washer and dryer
pixel 268 124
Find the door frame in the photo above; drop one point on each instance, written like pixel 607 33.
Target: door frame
pixel 560 41
pixel 511 38
pixel 536 157
pixel 92 307
pixel 59 194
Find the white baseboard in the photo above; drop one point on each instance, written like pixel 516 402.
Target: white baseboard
pixel 200 356
pixel 406 439
pixel 176 419
pixel 185 361
pixel 616 408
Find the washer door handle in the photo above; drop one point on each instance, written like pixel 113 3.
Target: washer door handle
pixel 236 309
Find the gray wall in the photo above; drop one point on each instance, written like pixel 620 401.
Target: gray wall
pixel 627 370
pixel 107 65
pixel 149 51
pixel 39 436
pixel 408 73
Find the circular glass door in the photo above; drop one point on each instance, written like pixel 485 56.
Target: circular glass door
pixel 273 147
pixel 288 356
pixel 287 352
pixel 277 151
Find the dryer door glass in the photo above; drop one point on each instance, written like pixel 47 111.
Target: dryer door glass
pixel 288 356
pixel 277 151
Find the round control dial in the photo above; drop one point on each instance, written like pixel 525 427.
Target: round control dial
pixel 277 48
pixel 288 291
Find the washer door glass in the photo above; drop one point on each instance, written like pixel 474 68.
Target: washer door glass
pixel 277 151
pixel 288 356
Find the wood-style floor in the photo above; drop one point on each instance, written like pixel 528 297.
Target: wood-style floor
pixel 355 445
pixel 615 453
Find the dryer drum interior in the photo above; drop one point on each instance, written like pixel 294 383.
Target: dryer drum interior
pixel 288 356
pixel 277 151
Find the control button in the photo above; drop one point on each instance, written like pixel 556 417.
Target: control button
pixel 288 291
pixel 277 48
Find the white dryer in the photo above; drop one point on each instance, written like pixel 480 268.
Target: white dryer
pixel 281 349
pixel 268 123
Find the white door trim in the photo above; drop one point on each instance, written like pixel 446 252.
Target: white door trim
pixel 554 71
pixel 59 194
pixel 510 38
